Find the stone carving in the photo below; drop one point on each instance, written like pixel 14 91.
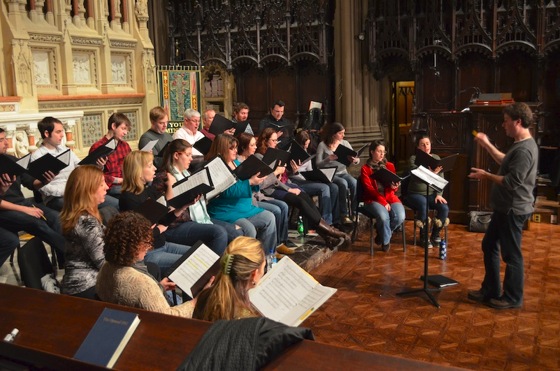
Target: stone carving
pixel 41 67
pixel 118 69
pixel 21 147
pixel 81 67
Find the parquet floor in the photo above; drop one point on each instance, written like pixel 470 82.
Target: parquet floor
pixel 367 314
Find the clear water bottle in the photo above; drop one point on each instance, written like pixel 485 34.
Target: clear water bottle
pixel 443 250
pixel 300 227
pixel 271 260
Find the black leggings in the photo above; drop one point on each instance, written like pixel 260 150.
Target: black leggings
pixel 306 207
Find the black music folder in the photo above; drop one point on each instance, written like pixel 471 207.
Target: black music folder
pixel 13 167
pixel 323 175
pixel 251 166
pixel 275 157
pixel 438 280
pixel 99 152
pixel 243 127
pixel 426 160
pixel 203 144
pixel 343 152
pixel 386 177
pixel 153 210
pixel 299 154
pixel 220 124
pixel 48 162
pixel 187 190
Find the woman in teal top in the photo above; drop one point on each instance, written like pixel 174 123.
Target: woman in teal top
pixel 235 204
pixel 177 158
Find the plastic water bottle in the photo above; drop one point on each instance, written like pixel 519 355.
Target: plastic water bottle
pixel 300 227
pixel 443 250
pixel 271 260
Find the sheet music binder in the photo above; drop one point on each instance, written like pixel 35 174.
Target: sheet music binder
pixel 323 175
pixel 299 154
pixel 343 152
pixel 426 160
pixel 190 194
pixel 440 281
pixel 102 151
pixel 203 145
pixel 386 177
pixel 250 167
pixel 275 157
pixel 48 162
pixel 12 167
pixel 152 210
pixel 220 124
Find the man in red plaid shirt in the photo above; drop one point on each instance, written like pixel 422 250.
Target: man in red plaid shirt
pixel 118 126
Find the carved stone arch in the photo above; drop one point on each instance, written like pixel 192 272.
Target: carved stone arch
pixel 274 58
pixel 428 51
pixel 474 48
pixel 245 61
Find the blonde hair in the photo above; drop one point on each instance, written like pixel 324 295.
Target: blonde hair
pixel 133 166
pixel 228 297
pixel 79 198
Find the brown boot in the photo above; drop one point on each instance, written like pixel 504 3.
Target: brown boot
pixel 325 228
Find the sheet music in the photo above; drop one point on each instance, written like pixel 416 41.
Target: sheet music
pixel 222 178
pixel 430 177
pixel 288 294
pixel 161 200
pixel 194 267
pixel 65 157
pixel 24 161
pixel 150 145
pixel 201 177
pixel 111 144
pixel 329 172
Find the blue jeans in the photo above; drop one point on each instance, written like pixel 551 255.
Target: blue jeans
pixel 281 211
pixel 232 232
pixel 164 257
pixel 8 243
pixel 417 202
pixel 386 221
pixel 188 233
pixel 48 231
pixel 328 198
pixel 345 183
pixel 504 236
pixel 262 227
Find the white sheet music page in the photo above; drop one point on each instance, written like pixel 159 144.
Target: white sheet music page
pixel 192 181
pixel 288 294
pixel 222 177
pixel 150 145
pixel 430 177
pixel 190 271
pixel 329 172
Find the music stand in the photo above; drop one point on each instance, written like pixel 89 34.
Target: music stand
pixel 437 183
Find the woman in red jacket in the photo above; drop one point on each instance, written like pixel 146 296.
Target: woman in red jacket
pixel 380 199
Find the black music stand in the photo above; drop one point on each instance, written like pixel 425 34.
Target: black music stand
pixel 427 177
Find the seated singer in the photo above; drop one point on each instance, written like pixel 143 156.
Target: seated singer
pixel 380 199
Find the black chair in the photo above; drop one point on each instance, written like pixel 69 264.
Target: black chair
pixel 362 210
pixel 34 263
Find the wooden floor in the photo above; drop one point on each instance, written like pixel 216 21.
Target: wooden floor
pixel 367 314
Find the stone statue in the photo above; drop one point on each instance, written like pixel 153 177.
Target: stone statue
pixel 20 146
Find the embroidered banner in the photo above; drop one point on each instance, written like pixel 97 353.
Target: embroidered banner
pixel 179 89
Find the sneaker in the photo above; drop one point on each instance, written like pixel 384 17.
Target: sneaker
pixel 502 303
pixel 436 239
pixel 283 249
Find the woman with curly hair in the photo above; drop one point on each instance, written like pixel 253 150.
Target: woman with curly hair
pixel 333 136
pixel 277 185
pixel 83 230
pixel 121 280
pixel 243 266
